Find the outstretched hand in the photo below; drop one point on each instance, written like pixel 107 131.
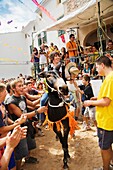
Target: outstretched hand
pixel 42 109
pixel 87 103
pixel 12 139
pixel 23 132
pixel 21 120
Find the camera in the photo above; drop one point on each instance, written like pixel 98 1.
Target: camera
pixel 36 53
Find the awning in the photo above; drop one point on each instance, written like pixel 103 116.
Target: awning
pixel 83 16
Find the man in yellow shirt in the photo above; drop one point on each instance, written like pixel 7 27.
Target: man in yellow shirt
pixel 72 48
pixel 51 48
pixel 104 111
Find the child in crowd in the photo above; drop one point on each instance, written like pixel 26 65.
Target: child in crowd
pixel 40 88
pixel 41 91
pixel 86 69
pixel 87 93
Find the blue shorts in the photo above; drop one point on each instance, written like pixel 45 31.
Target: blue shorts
pixel 105 138
pixel 73 59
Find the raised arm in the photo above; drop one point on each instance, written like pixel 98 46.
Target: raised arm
pixel 12 141
pixel 102 102
pixel 5 129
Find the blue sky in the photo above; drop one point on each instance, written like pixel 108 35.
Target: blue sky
pixel 21 12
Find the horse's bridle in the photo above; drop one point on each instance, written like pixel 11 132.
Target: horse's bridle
pixel 61 104
pixel 52 89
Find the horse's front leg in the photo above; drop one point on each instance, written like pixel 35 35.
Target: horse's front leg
pixel 65 142
pixel 61 138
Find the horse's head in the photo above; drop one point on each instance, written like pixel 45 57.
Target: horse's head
pixel 55 82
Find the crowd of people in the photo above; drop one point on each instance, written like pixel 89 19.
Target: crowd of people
pixel 23 100
pixel 74 52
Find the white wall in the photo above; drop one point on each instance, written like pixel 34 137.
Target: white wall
pixel 56 10
pixel 96 84
pixel 13 53
pixel 12 71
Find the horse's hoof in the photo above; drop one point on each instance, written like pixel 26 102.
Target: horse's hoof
pixel 66 167
pixel 68 158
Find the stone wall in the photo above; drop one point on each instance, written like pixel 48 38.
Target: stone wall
pixel 72 5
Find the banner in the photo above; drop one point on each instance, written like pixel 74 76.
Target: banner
pixel 44 10
pixel 9 22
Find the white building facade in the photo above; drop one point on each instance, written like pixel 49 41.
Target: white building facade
pixel 14 55
pixel 83 22
pixel 69 15
pixel 56 10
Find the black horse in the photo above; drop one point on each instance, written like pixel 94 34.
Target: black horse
pixel 57 111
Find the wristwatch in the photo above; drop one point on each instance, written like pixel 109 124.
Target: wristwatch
pixel 36 112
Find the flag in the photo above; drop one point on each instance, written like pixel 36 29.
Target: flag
pixel 8 22
pixel 44 10
pixel 62 38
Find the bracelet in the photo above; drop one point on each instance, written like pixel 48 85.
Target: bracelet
pixel 36 112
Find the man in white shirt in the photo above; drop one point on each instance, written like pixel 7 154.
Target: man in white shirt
pixel 43 57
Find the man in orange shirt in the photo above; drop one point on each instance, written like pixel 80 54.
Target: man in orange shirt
pixel 72 48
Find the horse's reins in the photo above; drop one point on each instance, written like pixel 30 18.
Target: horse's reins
pixel 52 89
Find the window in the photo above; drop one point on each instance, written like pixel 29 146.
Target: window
pixel 45 37
pixel 58 1
pixel 39 39
pixel 34 28
pixel 30 49
pixel 25 35
pixel 60 17
pixel 42 38
pixel 40 14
